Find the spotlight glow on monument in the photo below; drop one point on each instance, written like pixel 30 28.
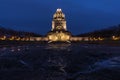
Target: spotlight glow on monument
pixel 59 29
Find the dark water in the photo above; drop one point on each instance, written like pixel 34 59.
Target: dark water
pixel 60 62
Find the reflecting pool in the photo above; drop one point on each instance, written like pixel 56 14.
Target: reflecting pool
pixel 59 62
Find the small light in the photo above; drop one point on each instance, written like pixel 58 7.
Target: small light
pixel 58 10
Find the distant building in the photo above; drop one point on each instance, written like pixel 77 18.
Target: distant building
pixel 59 31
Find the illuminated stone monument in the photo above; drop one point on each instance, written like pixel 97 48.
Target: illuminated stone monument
pixel 59 29
pixel 59 22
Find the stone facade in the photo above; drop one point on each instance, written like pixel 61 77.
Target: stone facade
pixel 59 29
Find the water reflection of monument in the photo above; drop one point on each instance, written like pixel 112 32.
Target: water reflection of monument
pixel 61 46
pixel 59 29
pixel 56 63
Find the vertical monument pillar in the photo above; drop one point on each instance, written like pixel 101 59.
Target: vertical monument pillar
pixel 59 28
pixel 59 22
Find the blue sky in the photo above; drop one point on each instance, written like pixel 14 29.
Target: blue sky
pixel 81 15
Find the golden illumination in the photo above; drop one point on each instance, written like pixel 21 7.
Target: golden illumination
pixel 27 39
pixel 12 38
pixel 59 31
pixel 18 39
pixel 59 21
pixel 99 38
pixel 115 38
pixel 22 39
pixel 59 37
pixel 91 39
pixel 95 39
pixel 3 38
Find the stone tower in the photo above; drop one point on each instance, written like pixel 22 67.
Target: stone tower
pixel 59 22
pixel 59 30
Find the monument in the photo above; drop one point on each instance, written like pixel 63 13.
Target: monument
pixel 59 32
pixel 59 28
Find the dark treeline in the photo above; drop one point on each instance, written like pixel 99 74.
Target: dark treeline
pixel 11 32
pixel 105 33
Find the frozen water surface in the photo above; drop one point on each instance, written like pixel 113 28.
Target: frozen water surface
pixel 60 62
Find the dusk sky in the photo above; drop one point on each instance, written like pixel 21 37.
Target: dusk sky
pixel 81 15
